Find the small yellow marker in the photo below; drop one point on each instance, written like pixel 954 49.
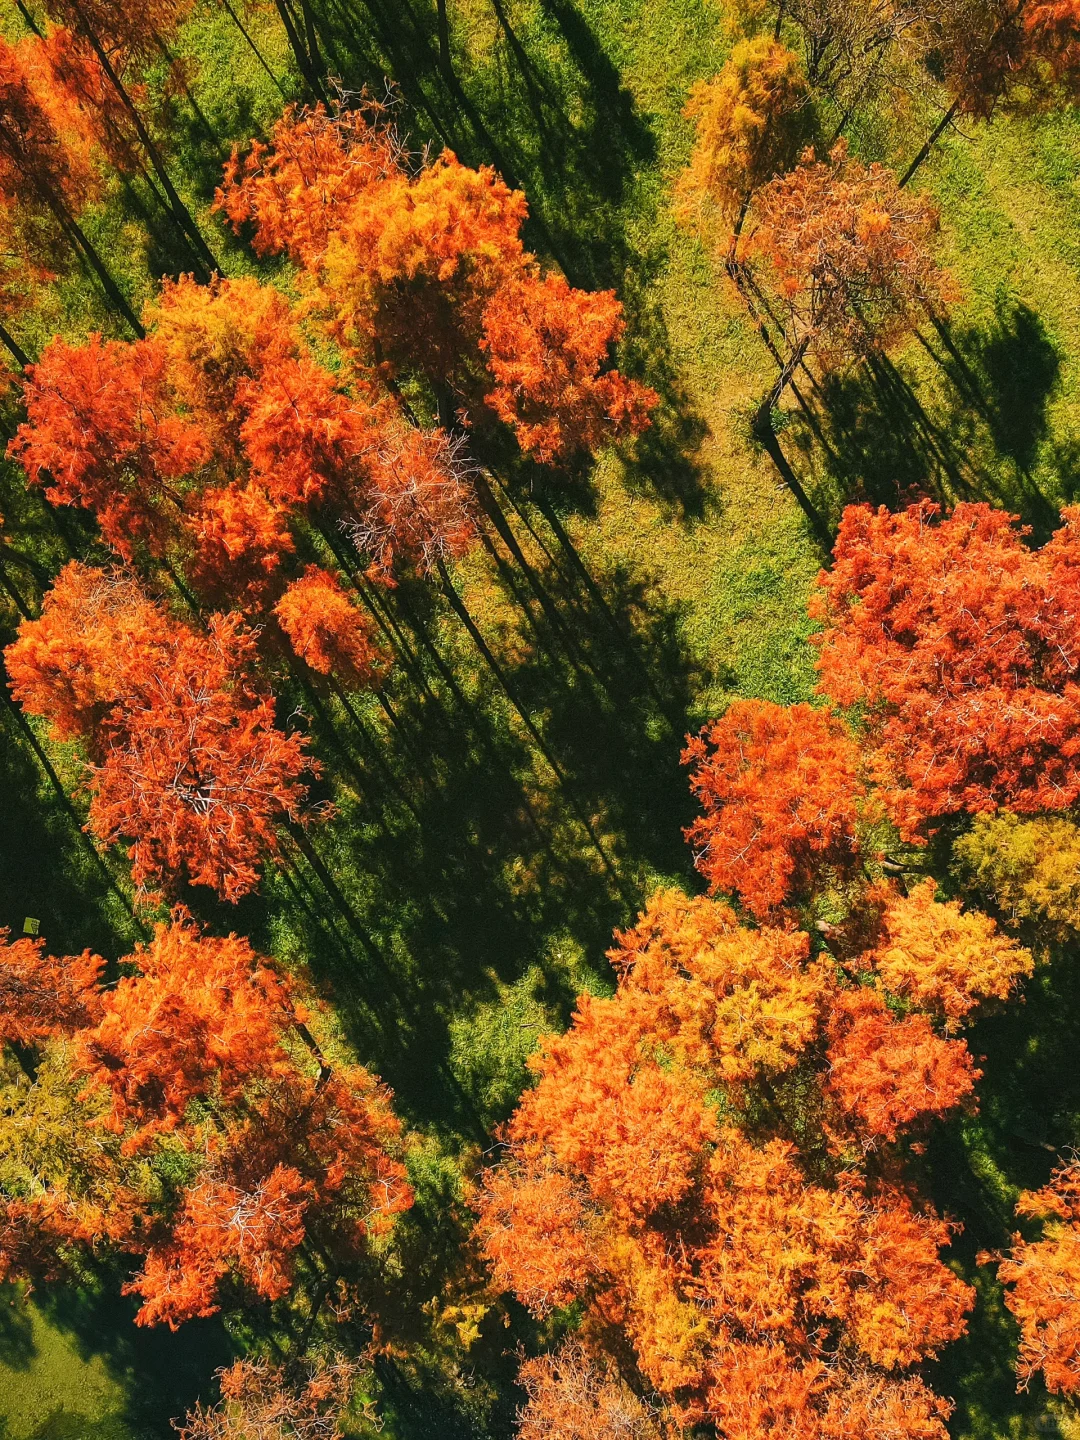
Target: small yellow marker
pixel 30 926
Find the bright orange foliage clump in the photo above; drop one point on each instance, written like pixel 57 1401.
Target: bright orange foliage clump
pixel 100 433
pixel 846 254
pixel 186 760
pixel 201 1058
pixel 780 792
pixel 1042 1279
pixel 959 643
pixel 327 630
pixel 685 1169
pixel 886 1071
pixel 425 273
pixel 41 995
pixel 201 1017
pixel 944 959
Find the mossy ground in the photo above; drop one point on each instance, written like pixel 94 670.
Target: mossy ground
pixel 466 891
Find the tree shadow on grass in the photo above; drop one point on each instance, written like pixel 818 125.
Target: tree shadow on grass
pixel 17 1348
pixel 47 871
pixel 162 1373
pixel 486 886
pixel 976 428
pixel 1029 1113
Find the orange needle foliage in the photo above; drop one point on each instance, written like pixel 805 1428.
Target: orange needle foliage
pixel 41 995
pixel 199 1061
pixel 200 1017
pixel 47 168
pixel 641 1182
pixel 571 1398
pixel 99 433
pixel 846 254
pixel 959 643
pixel 1042 1279
pixel 944 959
pixel 127 32
pixel 424 273
pixel 209 441
pixel 305 1401
pixel 187 762
pixel 780 793
pixel 240 538
pixel 327 630
pixel 750 123
pixel 887 1072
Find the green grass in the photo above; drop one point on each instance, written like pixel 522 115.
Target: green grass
pixel 467 900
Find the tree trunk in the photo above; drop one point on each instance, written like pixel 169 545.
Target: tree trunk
pixel 935 134
pixel 766 435
pixel 31 22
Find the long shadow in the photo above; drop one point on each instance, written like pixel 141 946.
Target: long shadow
pixel 17 1348
pixel 976 428
pixel 1029 1112
pixel 544 105
pixel 486 876
pixel 47 872
pixel 162 1373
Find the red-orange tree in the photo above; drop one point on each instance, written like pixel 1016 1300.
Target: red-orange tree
pixel 845 254
pixel 423 273
pixel 1042 1279
pixel 780 793
pixel 185 759
pixel 704 1168
pixel 190 1119
pixel 958 643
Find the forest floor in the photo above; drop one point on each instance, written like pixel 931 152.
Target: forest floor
pixel 447 927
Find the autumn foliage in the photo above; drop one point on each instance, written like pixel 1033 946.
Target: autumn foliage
pixel 572 1398
pixel 846 254
pixel 1042 1278
pixel 702 1166
pixel 186 762
pixel 995 53
pixel 750 124
pixel 424 273
pixel 780 790
pixel 327 630
pixel 958 643
pixel 270 1402
pixel 200 1064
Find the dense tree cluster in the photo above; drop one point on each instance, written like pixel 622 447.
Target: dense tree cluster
pixel 185 1116
pixel 704 1165
pixel 706 1199
pixel 425 274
